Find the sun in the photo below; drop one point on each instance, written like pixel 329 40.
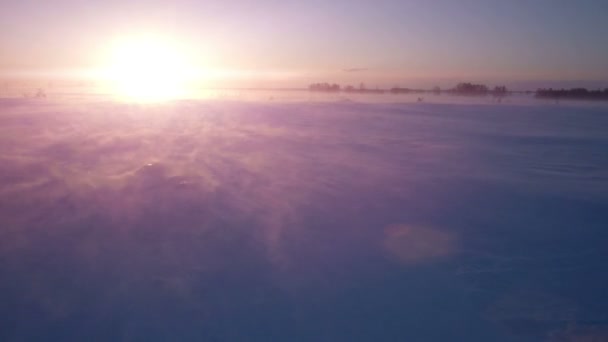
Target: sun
pixel 148 69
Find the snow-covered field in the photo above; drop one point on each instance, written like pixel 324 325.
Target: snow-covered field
pixel 303 220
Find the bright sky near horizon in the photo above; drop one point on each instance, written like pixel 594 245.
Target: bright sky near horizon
pixel 385 42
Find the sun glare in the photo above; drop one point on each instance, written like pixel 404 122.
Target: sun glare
pixel 148 69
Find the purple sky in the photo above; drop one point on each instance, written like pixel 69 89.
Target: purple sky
pixel 384 43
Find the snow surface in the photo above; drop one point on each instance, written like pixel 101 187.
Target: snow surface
pixel 303 220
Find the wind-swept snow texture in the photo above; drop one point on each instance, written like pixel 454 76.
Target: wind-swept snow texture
pixel 298 221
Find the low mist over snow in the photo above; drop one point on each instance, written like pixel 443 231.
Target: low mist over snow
pixel 227 220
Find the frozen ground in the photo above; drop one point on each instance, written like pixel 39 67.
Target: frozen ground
pixel 333 220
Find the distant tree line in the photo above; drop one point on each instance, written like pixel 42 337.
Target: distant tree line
pixel 362 89
pixel 500 90
pixel 574 93
pixel 399 90
pixel 39 94
pixel 470 89
pixel 324 87
pixel 465 88
pixel 478 89
pixel 332 87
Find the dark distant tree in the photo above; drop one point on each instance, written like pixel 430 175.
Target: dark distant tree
pixel 324 87
pixel 574 93
pixel 470 89
pixel 500 89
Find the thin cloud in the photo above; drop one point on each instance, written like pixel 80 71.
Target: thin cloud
pixel 355 69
